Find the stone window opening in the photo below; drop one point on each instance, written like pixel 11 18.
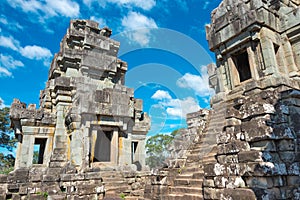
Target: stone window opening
pixel 242 65
pixel 134 146
pixel 39 150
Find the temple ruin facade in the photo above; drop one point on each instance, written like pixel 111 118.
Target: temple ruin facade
pixel 249 145
pixel 86 116
pixel 89 124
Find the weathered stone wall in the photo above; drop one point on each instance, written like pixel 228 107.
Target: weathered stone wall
pixel 89 128
pixel 257 153
pixel 257 81
pixel 85 104
pixel 253 131
pixel 68 183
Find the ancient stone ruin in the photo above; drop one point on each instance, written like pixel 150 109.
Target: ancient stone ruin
pixel 90 130
pixel 249 147
pixel 88 122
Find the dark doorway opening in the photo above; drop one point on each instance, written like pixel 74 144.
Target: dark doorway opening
pixel 241 61
pixel 103 146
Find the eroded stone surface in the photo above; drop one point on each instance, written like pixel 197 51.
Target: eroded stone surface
pixel 88 122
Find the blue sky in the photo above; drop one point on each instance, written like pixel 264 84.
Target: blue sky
pixel 162 41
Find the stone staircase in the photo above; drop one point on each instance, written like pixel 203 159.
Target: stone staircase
pixel 188 183
pixel 115 184
pixel 216 124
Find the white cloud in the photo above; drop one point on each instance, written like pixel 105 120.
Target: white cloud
pixel 205 5
pixel 4 72
pixel 175 108
pixel 9 62
pixel 101 21
pixel 139 27
pixel 161 94
pixel 143 4
pixel 196 82
pixel 3 20
pixel 135 20
pixel 35 52
pixel 32 52
pixel 9 42
pixel 12 25
pixel 49 8
pixel 66 8
pixel 2 104
pixel 180 107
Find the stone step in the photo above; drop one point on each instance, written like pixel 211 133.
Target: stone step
pixel 192 197
pixel 172 197
pixel 192 164
pixel 186 190
pixel 198 175
pixel 190 182
pixel 183 197
pixel 190 170
pixel 111 174
pixel 115 183
pixel 181 182
pixel 113 179
pixel 185 176
pixel 193 157
pixel 116 189
pixel 133 198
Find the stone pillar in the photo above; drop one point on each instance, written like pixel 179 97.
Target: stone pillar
pixel 114 147
pixel 18 152
pixel 296 49
pixel 60 137
pixel 289 58
pixel 141 152
pixel 48 150
pixel 76 146
pixel 268 53
pixel 86 146
pixel 26 155
pixel 125 150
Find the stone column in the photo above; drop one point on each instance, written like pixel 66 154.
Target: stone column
pixel 296 49
pixel 125 150
pixel 268 53
pixel 60 137
pixel 86 146
pixel 141 153
pixel 289 58
pixel 18 152
pixel 76 146
pixel 114 147
pixel 26 155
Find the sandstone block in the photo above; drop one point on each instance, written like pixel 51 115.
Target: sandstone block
pixel 250 156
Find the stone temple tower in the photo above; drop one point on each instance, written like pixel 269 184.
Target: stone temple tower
pixel 87 116
pixel 257 80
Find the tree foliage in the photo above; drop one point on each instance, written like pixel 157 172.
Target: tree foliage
pixel 7 141
pixel 156 149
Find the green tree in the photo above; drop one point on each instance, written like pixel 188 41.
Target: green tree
pixel 35 157
pixel 7 141
pixel 156 149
